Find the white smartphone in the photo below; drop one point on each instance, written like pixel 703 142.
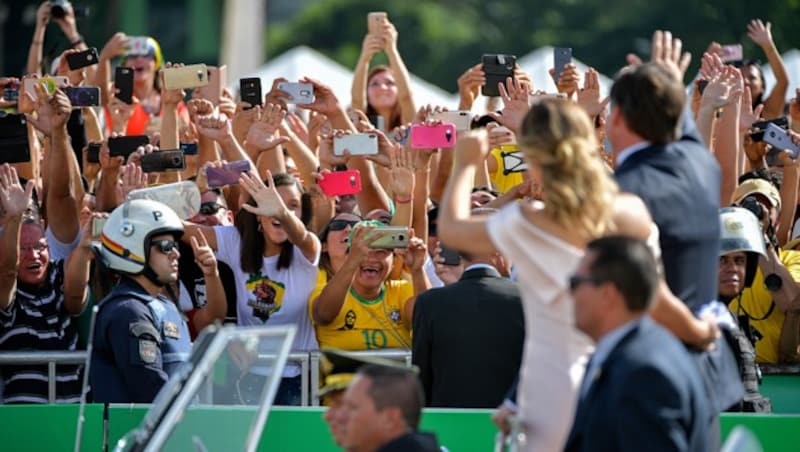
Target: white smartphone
pixel 462 119
pixel 302 93
pixel 356 144
pixel 192 76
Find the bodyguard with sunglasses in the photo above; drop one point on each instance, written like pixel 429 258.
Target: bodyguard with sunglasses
pixel 140 337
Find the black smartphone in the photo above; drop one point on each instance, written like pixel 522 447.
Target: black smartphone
pixel 189 148
pixel 82 59
pixel 83 96
pixel 497 68
pixel 562 56
pixel 127 145
pixel 123 82
pixel 250 91
pixel 14 139
pixel 93 152
pixel 451 256
pixel 759 127
pixel 170 160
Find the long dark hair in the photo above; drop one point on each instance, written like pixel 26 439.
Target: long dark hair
pixel 395 119
pixel 252 240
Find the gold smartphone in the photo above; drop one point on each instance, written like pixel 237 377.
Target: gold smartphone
pixel 375 21
pixel 192 76
pixel 217 80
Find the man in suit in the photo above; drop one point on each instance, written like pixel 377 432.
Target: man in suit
pixel 642 390
pixel 468 336
pixel 679 181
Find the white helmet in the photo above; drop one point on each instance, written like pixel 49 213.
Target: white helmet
pixel 127 233
pixel 741 232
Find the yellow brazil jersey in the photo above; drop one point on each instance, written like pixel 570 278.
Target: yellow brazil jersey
pixel 503 183
pixel 367 324
pixel 765 317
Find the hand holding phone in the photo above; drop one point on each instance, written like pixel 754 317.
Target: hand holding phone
pixel 159 161
pixel 393 237
pixel 497 68
pixel 562 56
pixel 375 21
pixel 356 144
pixel 97 226
pixel 300 93
pixel 430 137
pixel 462 119
pixel 250 91
pixel 192 76
pixel 124 146
pixel 83 96
pixel 82 59
pixel 123 83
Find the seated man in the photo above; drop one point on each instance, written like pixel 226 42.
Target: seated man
pixel 382 408
pixel 642 390
pixel 761 308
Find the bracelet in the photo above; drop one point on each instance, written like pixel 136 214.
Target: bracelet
pixel 79 41
pixel 402 201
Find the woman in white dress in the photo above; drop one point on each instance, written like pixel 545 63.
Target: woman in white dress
pixel 544 241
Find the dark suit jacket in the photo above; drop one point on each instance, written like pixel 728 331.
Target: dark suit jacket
pixel 647 395
pixel 468 340
pixel 680 184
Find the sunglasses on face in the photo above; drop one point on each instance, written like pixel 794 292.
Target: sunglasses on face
pixel 165 245
pixel 210 208
pixel 340 225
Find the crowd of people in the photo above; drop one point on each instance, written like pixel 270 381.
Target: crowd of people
pixel 588 264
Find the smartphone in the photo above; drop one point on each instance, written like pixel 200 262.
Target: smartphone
pixel 759 127
pixel 462 119
pixel 97 226
pixel 377 121
pixel 562 56
pixel 14 139
pixel 138 45
pixel 83 96
pixel 341 183
pixel 192 76
pixel 375 21
pixel 159 161
pixel 228 174
pixel 356 144
pixel 780 139
pixel 513 160
pixel 396 237
pixel 429 137
pixel 93 152
pixel 189 148
pixel 450 256
pixel 732 53
pixel 217 80
pixel 126 145
pixel 123 82
pixel 497 68
pixel 301 93
pixel 82 59
pixel 50 83
pixel 250 91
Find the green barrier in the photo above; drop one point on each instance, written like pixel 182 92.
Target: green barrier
pixel 52 428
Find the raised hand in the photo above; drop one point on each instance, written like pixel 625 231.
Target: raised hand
pixel 371 45
pixel 325 100
pixel 589 96
pixel 414 255
pixel 268 200
pixel 517 99
pixel 469 86
pixel 198 108
pixel 297 126
pixel 471 148
pixel 326 156
pixel 276 95
pixel 43 15
pixel 499 135
pixel 389 36
pixel 227 106
pixel 747 114
pixel 54 110
pixel 170 97
pixel 262 132
pixel 668 53
pixel 120 113
pixel 13 198
pixel 710 65
pixel 116 46
pixel 723 88
pixel 216 127
pixel 401 183
pixel 204 255
pixel 567 82
pixel 75 77
pixel 760 32
pixel 794 107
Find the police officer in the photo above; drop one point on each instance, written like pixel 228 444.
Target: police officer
pixel 140 337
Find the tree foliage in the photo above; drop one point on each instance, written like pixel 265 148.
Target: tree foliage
pixel 440 39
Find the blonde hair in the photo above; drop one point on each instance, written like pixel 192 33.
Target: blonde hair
pixel 558 136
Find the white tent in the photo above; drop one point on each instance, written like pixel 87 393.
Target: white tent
pixel 302 61
pixel 538 63
pixel 791 60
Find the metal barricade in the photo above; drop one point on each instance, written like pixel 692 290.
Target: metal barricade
pixel 403 356
pixel 50 358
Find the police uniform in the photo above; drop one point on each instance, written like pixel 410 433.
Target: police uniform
pixel 139 341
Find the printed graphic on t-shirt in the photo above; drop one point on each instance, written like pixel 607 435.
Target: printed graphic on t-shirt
pixel 349 321
pixel 266 296
pixel 395 315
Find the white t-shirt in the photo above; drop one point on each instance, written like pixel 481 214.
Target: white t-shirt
pixel 272 297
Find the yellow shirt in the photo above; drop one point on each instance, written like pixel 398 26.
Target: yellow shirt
pixel 503 183
pixel 367 324
pixel 757 302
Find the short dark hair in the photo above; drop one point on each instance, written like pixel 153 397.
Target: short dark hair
pixel 628 264
pixel 651 101
pixel 396 387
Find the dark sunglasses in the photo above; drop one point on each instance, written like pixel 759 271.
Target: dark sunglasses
pixel 210 208
pixel 575 281
pixel 165 245
pixel 340 225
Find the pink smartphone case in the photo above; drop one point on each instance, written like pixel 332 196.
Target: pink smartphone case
pixel 427 137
